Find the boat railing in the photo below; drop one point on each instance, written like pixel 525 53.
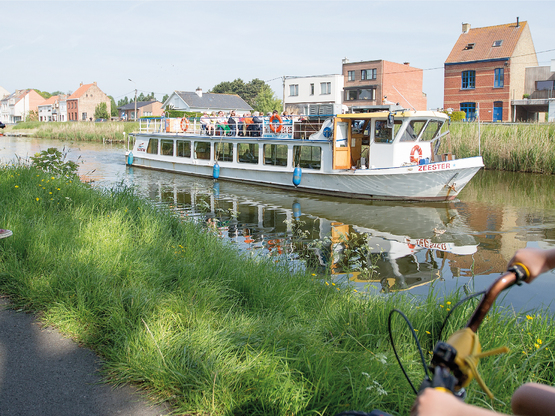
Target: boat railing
pixel 300 128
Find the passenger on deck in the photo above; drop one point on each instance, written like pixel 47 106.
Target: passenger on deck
pixel 233 123
pixel 206 125
pixel 257 125
pixel 247 120
pixel 221 124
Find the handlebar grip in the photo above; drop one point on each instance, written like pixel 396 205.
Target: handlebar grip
pixel 521 272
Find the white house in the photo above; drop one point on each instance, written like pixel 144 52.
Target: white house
pixel 314 95
pixel 16 106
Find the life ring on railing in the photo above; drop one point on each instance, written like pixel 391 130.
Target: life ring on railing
pixel 184 124
pixel 275 127
pixel 415 154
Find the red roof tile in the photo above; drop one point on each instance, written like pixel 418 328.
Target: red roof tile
pixel 80 91
pixel 477 44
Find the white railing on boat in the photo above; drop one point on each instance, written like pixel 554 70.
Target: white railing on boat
pixel 299 128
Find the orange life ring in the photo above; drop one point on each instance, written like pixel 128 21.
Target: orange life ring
pixel 413 157
pixel 275 127
pixel 184 124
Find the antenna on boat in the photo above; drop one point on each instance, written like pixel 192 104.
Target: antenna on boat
pixel 408 102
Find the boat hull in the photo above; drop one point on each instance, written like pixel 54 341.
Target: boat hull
pixel 440 181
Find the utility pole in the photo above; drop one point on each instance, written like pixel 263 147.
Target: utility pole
pixel 135 97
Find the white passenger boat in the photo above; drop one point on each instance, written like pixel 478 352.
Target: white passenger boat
pixel 378 155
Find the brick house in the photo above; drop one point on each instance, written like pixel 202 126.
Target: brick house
pixel 380 83
pixel 485 70
pixel 144 109
pixel 83 102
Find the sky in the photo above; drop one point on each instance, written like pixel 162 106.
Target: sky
pixel 163 46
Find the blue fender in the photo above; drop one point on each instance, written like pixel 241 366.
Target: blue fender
pixel 296 210
pixel 297 174
pixel 130 158
pixel 216 171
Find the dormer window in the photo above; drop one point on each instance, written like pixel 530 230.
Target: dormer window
pixel 469 46
pixel 497 43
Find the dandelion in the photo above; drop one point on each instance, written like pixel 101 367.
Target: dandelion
pixel 536 345
pixel 37 199
pixel 338 289
pixel 449 303
pixel 428 332
pixel 58 189
pixel 327 284
pixel 313 274
pixel 50 193
pixel 356 291
pixel 539 341
pixel 442 306
pixel 529 317
pixel 17 186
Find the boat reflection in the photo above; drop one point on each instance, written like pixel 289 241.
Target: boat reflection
pixel 388 246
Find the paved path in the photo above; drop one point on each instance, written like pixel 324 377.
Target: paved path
pixel 45 374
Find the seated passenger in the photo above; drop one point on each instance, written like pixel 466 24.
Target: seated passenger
pixel 221 124
pixel 233 123
pixel 206 124
pixel 256 127
pixel 247 121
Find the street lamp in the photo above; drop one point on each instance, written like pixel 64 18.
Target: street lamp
pixel 135 97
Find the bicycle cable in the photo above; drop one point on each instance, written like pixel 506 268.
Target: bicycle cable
pixel 416 338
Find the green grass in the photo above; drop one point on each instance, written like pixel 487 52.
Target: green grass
pixel 514 147
pixel 189 319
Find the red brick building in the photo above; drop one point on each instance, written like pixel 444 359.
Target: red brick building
pixel 485 70
pixel 82 103
pixel 371 83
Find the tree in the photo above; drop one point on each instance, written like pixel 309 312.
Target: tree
pixel 267 101
pixel 251 92
pixel 123 101
pixel 165 98
pixel 101 111
pixel 43 94
pixel 113 107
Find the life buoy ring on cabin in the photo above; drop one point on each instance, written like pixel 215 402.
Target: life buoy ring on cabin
pixel 275 127
pixel 184 124
pixel 415 154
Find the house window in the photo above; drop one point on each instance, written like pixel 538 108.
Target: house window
pixel 293 90
pixel 350 75
pixel 368 74
pixel 470 110
pixel 497 43
pixel 311 89
pixel 325 88
pixel 360 94
pixel 469 46
pixel 468 80
pixel 498 81
pixel 84 115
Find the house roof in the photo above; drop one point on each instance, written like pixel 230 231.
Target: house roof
pixel 80 91
pixel 213 101
pixel 131 106
pixel 478 44
pixel 50 101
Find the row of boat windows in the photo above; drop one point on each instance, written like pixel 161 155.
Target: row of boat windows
pixel 307 157
pixel 385 132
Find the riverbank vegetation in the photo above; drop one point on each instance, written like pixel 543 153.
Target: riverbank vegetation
pixel 192 321
pixel 512 147
pixel 110 131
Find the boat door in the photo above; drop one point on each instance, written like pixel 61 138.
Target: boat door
pixel 341 145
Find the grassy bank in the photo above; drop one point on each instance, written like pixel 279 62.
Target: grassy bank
pixel 80 131
pixel 513 147
pixel 173 309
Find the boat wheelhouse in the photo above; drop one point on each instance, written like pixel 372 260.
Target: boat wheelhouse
pixel 380 155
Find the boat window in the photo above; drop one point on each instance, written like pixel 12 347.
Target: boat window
pixel 183 148
pixel 167 147
pixel 223 152
pixel 152 147
pixel 247 153
pixel 384 134
pixel 202 150
pixel 275 154
pixel 431 131
pixel 413 130
pixel 308 157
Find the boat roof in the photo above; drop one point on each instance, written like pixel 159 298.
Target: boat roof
pixel 404 113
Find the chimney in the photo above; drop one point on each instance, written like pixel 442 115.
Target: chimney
pixel 94 83
pixel 517 21
pixel 465 27
pixel 406 63
pixel 199 91
pixel 345 60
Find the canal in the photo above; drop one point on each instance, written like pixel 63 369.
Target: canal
pixel 377 247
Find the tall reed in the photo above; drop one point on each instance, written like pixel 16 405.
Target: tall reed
pixel 194 322
pixel 81 131
pixel 512 147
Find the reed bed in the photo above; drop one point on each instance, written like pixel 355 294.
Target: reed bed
pixel 81 131
pixel 194 322
pixel 510 147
